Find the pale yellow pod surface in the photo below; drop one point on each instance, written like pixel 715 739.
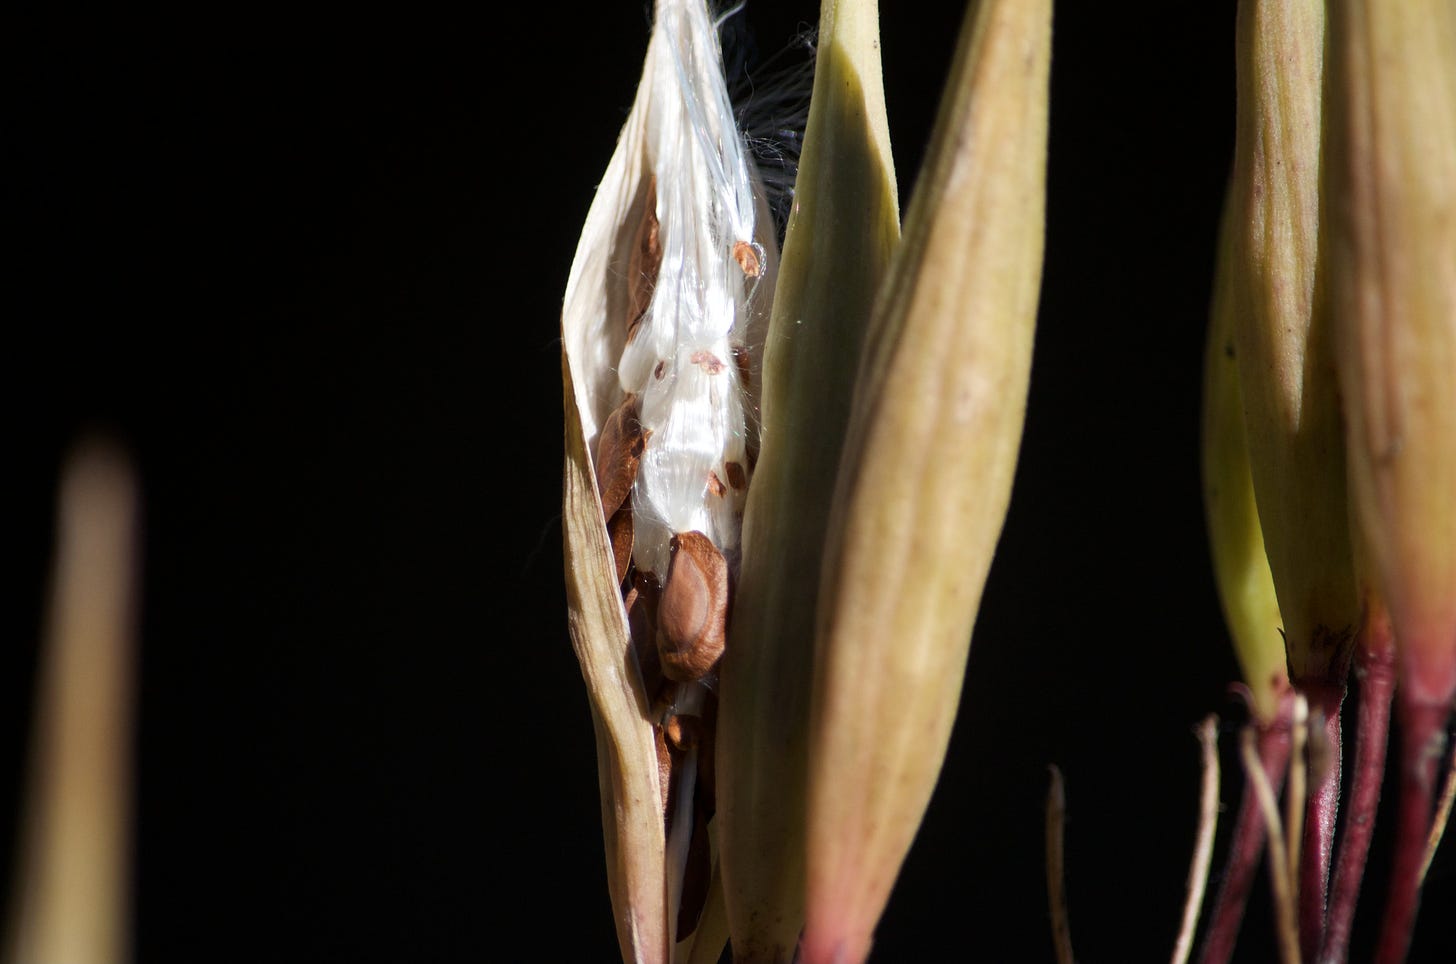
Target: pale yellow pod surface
pixel 1282 332
pixel 1392 190
pixel 926 475
pixel 844 224
pixel 1236 540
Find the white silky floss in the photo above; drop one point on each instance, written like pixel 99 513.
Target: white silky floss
pixel 681 363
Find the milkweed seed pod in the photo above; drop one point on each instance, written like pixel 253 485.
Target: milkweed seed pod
pixel 665 303
pixel 844 225
pixel 1281 333
pixel 926 474
pixel 1392 197
pixel 1240 565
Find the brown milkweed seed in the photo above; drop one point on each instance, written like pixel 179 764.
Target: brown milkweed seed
pixel 619 452
pixel 693 609
pixel 644 262
pixel 715 485
pixel 683 731
pixel 736 476
pixel 619 532
pixel 747 259
pixel 711 363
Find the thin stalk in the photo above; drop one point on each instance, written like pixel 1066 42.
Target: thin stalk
pixel 1056 818
pixel 1375 671
pixel 1203 848
pixel 1322 807
pixel 1423 732
pixel 1272 741
pixel 1294 799
pixel 1279 870
pixel 1443 814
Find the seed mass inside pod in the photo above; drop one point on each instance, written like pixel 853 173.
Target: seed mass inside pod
pixel 693 609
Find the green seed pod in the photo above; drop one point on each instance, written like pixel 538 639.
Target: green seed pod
pixel 1240 565
pixel 1281 331
pixel 844 225
pixel 1392 196
pixel 926 474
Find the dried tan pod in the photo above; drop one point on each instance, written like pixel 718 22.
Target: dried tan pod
pixel 1283 338
pixel 926 474
pixel 844 225
pixel 692 611
pixel 594 329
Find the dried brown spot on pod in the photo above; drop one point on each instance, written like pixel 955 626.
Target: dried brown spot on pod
pixel 736 476
pixel 747 258
pixel 641 604
pixel 697 875
pixel 692 611
pixel 711 363
pixel 715 485
pixel 644 261
pixel 619 452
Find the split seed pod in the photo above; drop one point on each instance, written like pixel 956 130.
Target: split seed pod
pixel 672 279
pixel 926 474
pixel 844 225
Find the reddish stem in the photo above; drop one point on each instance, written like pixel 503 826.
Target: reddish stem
pixel 1321 807
pixel 1375 671
pixel 1423 728
pixel 1247 845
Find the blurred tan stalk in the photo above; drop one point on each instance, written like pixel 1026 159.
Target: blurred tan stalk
pixel 71 902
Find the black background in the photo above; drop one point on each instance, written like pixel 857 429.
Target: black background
pixel 310 272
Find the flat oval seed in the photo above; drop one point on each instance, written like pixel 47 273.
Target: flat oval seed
pixel 693 610
pixel 619 452
pixel 644 261
pixel 619 532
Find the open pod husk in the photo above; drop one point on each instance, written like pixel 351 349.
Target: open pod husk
pixel 844 225
pixel 926 474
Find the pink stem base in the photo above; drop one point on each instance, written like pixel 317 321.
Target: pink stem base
pixel 1247 845
pixel 1423 731
pixel 1375 671
pixel 1321 809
